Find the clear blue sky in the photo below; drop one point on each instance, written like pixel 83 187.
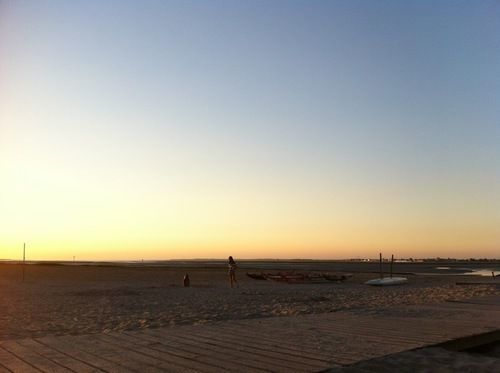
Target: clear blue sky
pixel 271 128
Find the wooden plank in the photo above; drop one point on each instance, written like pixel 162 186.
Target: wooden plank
pixel 58 357
pixel 392 338
pixel 183 355
pixel 272 351
pixel 474 319
pixel 244 351
pixel 444 312
pixel 163 345
pixel 353 330
pixel 207 353
pixel 283 342
pixel 305 335
pixel 442 328
pixel 396 336
pixel 224 358
pixel 99 345
pixel 168 353
pixel 155 358
pixel 339 352
pixel 198 353
pixel 14 363
pixel 72 350
pixel 438 328
pixel 98 349
pixel 33 358
pixel 370 329
pixel 264 338
pixel 302 344
pixel 367 337
pixel 410 329
pixel 309 339
pixel 299 343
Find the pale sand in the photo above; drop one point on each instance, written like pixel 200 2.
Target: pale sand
pixel 57 300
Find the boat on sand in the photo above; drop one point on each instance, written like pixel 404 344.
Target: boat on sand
pixel 296 277
pixel 387 281
pixel 257 276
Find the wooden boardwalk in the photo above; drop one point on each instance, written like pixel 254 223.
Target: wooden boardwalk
pixel 307 343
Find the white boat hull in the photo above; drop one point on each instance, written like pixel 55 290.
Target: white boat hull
pixel 387 281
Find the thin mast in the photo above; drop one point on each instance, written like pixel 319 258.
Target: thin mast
pixel 24 257
pixel 381 274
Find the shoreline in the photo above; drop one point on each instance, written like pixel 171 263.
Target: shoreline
pixel 434 267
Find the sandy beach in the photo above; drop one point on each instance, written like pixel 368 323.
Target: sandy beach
pixel 60 299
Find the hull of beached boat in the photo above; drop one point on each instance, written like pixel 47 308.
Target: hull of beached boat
pixel 387 281
pixel 306 277
pixel 257 276
pixel 300 277
pixel 337 278
pixel 287 278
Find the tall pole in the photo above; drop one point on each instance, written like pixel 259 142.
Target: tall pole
pixel 392 261
pixel 24 257
pixel 381 275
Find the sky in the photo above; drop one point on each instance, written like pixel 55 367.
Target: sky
pixel 258 129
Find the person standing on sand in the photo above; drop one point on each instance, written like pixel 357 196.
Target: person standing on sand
pixel 232 271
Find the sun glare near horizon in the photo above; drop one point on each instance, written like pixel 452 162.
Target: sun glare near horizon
pixel 167 130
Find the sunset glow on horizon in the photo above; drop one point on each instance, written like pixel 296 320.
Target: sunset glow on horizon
pixel 286 129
